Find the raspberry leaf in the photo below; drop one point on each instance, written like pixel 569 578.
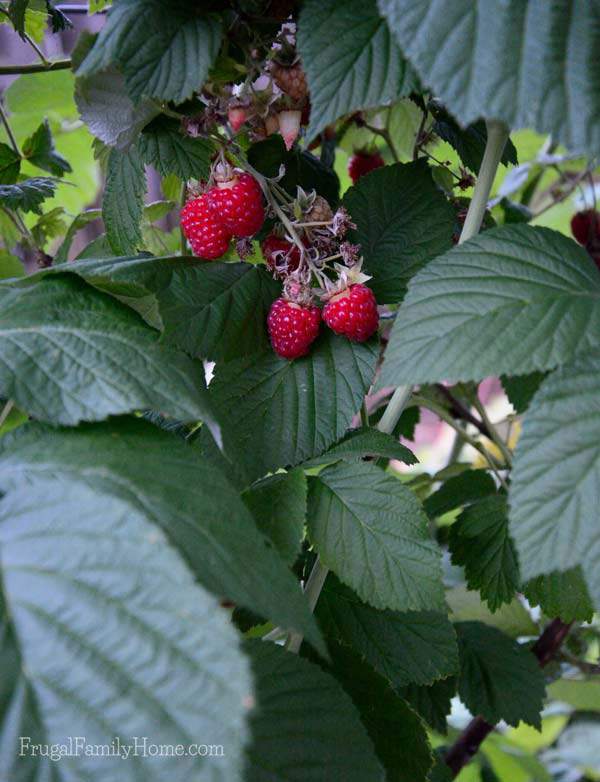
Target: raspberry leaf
pixel 316 711
pixel 350 59
pixel 499 679
pixel 537 288
pixel 101 359
pixel 10 164
pixel 411 647
pixel 372 532
pixel 109 112
pixel 280 413
pixel 402 221
pixel 432 702
pixel 163 53
pixel 27 195
pixel 554 492
pixel 511 56
pixel 90 586
pixel 459 490
pixel 480 543
pixel 278 505
pixel 123 200
pixel 366 441
pixel 397 733
pixel 40 151
pixel 164 146
pixel 564 595
pixel 195 506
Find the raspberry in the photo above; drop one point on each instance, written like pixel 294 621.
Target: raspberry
pixel 291 80
pixel 292 328
pixel 207 236
pixel 363 162
pixel 238 204
pixel 585 226
pixel 320 211
pixel 289 126
pixel 237 116
pixel 353 313
pixel 279 254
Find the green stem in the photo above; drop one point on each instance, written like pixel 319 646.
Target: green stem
pixel 497 135
pixel 394 409
pixel 9 133
pixel 494 435
pixel 364 413
pixel 34 67
pixel 6 411
pixel 182 240
pixel 312 590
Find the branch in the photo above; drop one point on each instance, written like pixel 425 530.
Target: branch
pixel 468 743
pixel 34 67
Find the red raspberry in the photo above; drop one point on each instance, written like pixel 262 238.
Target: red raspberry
pixel 207 236
pixel 238 204
pixel 292 328
pixel 585 226
pixel 353 313
pixel 363 162
pixel 280 254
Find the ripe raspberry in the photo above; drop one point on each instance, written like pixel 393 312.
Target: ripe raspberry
pixel 292 328
pixel 207 236
pixel 279 254
pixel 238 204
pixel 320 211
pixel 291 80
pixel 363 162
pixel 353 313
pixel 585 226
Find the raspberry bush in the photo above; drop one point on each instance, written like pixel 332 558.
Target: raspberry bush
pixel 246 248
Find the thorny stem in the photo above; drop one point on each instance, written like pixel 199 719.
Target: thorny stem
pixel 385 135
pixel 312 590
pixel 566 193
pixel 468 743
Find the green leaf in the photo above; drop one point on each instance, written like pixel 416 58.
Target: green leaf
pixel 158 475
pixel 16 11
pixel 58 21
pixel 372 532
pixel 91 587
pixel 513 619
pixel 459 490
pixel 411 647
pixel 123 200
pixel 295 698
pixel 164 55
pixel 499 679
pixel 534 286
pixel 581 694
pixel 83 219
pixel 164 146
pixel 555 490
pixel 528 64
pixel 480 543
pixel 10 165
pixel 520 390
pixel 217 310
pixel 468 142
pixel 280 413
pixel 69 353
pixel 40 151
pixel 48 226
pixel 109 112
pixel 402 220
pixel 301 168
pixel 27 195
pixel 10 266
pixel 432 703
pixel 350 59
pixel 562 595
pixel 399 736
pixel 278 505
pixel 366 441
